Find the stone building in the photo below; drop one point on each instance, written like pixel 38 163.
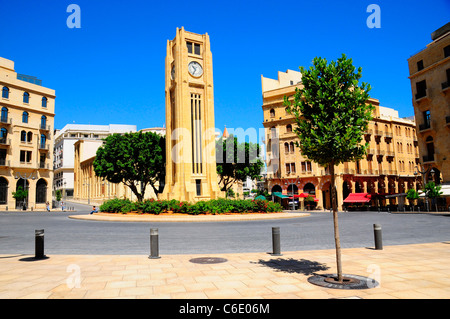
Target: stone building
pixel 26 143
pixel 429 72
pixel 388 168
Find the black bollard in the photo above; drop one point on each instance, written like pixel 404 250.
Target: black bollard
pixel 276 241
pixel 378 237
pixel 39 244
pixel 154 245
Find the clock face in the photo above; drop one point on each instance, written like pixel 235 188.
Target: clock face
pixel 195 69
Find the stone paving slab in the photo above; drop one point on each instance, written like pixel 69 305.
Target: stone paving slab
pixel 419 271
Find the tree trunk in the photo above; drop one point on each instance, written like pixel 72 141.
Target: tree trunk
pixel 336 225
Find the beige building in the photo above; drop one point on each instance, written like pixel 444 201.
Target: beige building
pixel 387 169
pixel 91 189
pixel 190 132
pixel 26 143
pixel 430 84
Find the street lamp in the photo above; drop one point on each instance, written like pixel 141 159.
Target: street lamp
pixel 424 172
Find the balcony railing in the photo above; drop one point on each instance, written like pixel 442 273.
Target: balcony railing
pixel 445 85
pixel 4 162
pixel 425 126
pixel 44 127
pixel 43 165
pixel 43 146
pixel 5 120
pixel 421 94
pixel 428 158
pixel 5 141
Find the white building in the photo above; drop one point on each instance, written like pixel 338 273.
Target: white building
pixel 63 163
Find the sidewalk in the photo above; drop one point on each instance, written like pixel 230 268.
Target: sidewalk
pixel 403 272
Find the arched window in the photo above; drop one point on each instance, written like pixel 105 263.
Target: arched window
pixel 25 117
pixel 5 93
pixel 286 147
pixel 291 146
pixel 23 136
pixel 41 191
pixel 288 128
pixel 4 117
pixel 29 136
pixel 276 189
pixel 272 113
pixel 26 97
pixel 43 122
pixel 3 190
pixel 44 101
pixel 309 188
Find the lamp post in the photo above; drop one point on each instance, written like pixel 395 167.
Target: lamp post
pixel 424 172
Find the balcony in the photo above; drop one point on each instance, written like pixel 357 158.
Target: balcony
pixel 5 120
pixel 390 154
pixel 44 147
pixel 43 165
pixel 421 95
pixel 428 158
pixel 44 127
pixel 425 126
pixel 445 86
pixel 5 141
pixel 4 162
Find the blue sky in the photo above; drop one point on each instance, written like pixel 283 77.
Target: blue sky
pixel 111 70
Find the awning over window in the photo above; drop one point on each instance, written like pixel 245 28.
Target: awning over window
pixel 277 194
pixel 358 198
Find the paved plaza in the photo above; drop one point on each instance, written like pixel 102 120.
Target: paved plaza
pixel 403 272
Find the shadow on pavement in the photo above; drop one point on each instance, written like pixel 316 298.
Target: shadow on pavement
pixel 291 265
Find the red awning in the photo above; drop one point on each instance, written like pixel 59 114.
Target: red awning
pixel 358 198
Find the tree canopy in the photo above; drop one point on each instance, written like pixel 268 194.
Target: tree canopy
pixel 135 159
pixel 236 161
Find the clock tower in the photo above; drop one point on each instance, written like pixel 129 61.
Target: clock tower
pixel 190 131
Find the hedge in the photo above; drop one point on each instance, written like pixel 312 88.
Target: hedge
pixel 214 206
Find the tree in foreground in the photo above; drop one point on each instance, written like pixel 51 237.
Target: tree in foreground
pixel 332 113
pixel 135 159
pixel 236 161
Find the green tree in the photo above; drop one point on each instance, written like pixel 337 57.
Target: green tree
pixel 433 191
pixel 135 159
pixel 58 195
pixel 236 161
pixel 332 112
pixel 20 194
pixel 412 196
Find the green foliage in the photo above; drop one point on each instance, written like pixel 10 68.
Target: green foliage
pixel 331 112
pixel 58 195
pixel 412 194
pixel 20 194
pixel 236 161
pixel 217 206
pixel 136 159
pixel 432 190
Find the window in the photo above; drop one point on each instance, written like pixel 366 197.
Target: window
pixel 26 97
pixel 23 136
pixel 43 139
pixel 25 117
pixel 447 51
pixel 198 184
pixel 44 101
pixel 43 122
pixel 288 128
pixel 306 166
pixel 29 136
pixel 421 88
pixel 5 93
pixel 426 119
pixel 272 113
pixel 4 117
pixel 41 191
pixel 3 190
pixel 193 48
pixel 25 156
pixel 420 65
pixel 3 135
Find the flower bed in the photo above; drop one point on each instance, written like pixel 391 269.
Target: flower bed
pixel 214 206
